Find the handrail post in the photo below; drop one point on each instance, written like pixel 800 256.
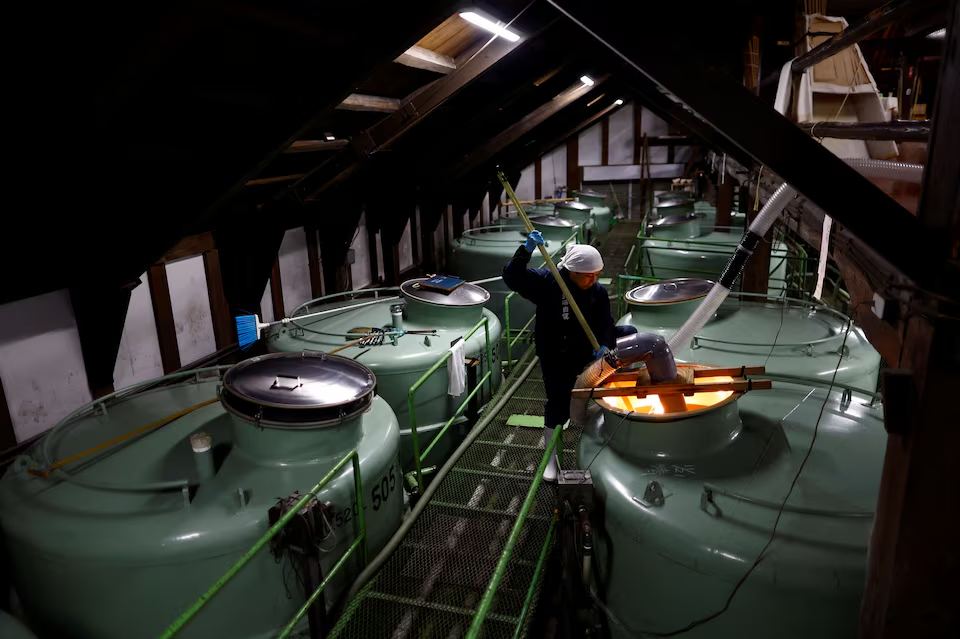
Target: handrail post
pixel 486 334
pixel 506 317
pixel 412 411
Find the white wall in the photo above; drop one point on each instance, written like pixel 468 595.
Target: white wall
pixel 620 143
pixel 41 364
pixel 525 187
pixel 553 171
pixel 266 304
pixel 138 358
pixel 191 309
pixel 590 145
pixel 294 270
pixel 406 249
pixel 360 269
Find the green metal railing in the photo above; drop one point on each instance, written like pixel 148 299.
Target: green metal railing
pixel 488 595
pixel 360 541
pixel 418 458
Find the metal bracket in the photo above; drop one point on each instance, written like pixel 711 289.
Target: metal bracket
pixel 652 496
pixel 706 500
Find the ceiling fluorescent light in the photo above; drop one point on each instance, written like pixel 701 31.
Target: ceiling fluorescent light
pixel 587 80
pixel 330 137
pixel 939 34
pixel 483 23
pixel 619 102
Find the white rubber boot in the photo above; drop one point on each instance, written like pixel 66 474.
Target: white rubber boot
pixel 553 468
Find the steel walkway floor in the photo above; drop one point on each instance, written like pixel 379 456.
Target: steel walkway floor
pixel 430 587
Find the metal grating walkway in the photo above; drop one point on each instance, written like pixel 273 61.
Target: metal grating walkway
pixel 430 587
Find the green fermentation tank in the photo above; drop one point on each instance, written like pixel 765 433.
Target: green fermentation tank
pixel 690 501
pixel 10 628
pixel 679 245
pixel 791 337
pixel 482 253
pixel 580 213
pixel 119 543
pixel 602 215
pixel 400 360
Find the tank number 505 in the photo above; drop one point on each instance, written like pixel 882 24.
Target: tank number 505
pixel 386 487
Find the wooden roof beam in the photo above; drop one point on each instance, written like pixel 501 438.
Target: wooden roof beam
pixel 420 58
pixel 309 146
pixel 360 102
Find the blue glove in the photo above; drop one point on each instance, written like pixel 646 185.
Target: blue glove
pixel 533 240
pixel 599 354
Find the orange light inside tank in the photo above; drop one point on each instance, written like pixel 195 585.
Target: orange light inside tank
pixel 650 405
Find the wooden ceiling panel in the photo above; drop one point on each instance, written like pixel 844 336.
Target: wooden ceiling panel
pixel 454 36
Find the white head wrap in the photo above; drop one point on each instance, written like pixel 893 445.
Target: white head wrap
pixel 582 258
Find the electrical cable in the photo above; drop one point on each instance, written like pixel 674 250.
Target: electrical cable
pixel 609 439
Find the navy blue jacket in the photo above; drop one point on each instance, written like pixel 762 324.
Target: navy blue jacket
pixel 559 337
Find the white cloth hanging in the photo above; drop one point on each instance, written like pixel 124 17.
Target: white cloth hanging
pixel 457 369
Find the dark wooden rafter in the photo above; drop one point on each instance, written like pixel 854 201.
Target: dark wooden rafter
pixel 313 261
pixel 490 149
pixel 746 123
pixel 8 436
pixel 276 290
pixel 101 313
pixel 224 328
pixel 605 141
pixel 382 135
pixel 163 318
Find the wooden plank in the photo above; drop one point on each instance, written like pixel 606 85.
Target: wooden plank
pixel 313 261
pixel 163 316
pixel 638 133
pixel 724 202
pixel 538 179
pixel 276 291
pixel 421 58
pixel 190 246
pixel 573 163
pixel 360 102
pixel 732 371
pixel 224 331
pixel 312 146
pixel 674 389
pixel 605 142
pixel 274 180
pixel 8 436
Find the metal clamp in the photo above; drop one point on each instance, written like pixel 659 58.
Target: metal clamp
pixel 652 496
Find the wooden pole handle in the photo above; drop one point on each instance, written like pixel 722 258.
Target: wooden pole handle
pixel 553 268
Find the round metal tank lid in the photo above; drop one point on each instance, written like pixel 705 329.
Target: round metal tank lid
pixel 670 204
pixel 574 206
pixel 682 289
pixel 552 221
pixel 673 220
pixel 297 389
pixel 674 196
pixel 589 193
pixel 464 295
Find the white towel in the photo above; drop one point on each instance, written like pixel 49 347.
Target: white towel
pixel 457 370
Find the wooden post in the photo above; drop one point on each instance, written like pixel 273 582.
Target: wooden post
pixel 637 133
pixel 605 141
pixel 8 436
pixel 756 273
pixel 415 236
pixel 538 179
pixel 276 291
pixel 163 316
pixel 725 201
pixel 223 325
pixel 573 164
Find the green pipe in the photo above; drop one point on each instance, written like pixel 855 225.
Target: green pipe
pixel 316 593
pixel 411 395
pixel 459 411
pixel 533 582
pixel 501 569
pixel 218 585
pixel 506 318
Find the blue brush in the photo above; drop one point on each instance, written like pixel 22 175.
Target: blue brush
pixel 250 328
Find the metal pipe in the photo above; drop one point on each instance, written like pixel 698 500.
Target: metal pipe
pixel 872 22
pixel 897 130
pixel 501 569
pixel 218 585
pixel 407 524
